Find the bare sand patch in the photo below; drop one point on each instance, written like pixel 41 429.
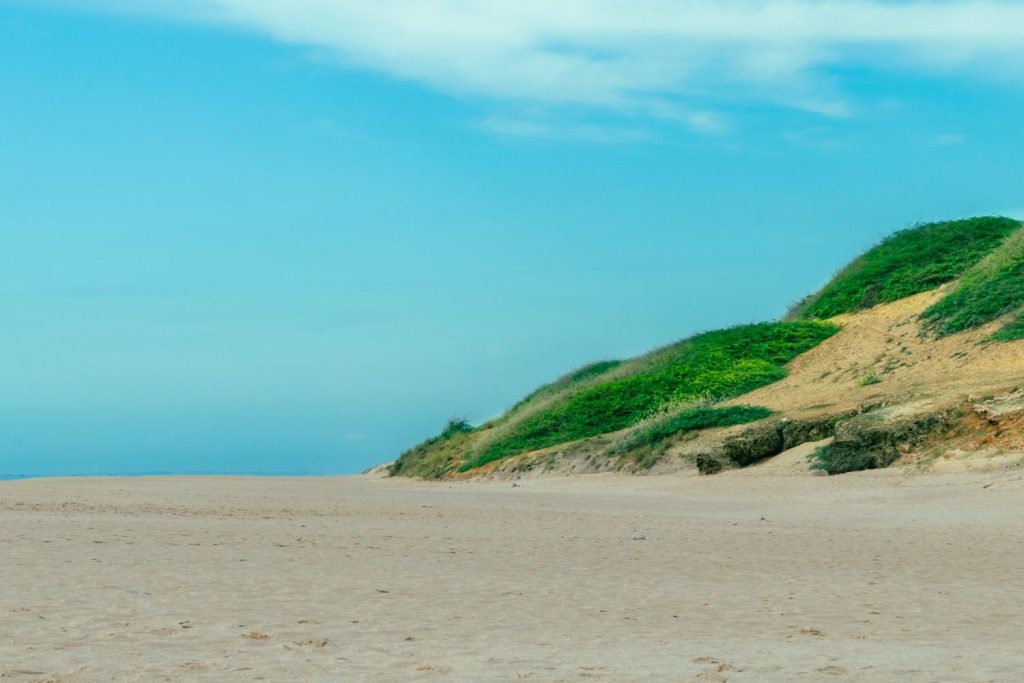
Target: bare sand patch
pixel 872 576
pixel 888 340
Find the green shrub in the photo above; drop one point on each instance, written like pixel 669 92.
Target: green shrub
pixel 989 290
pixel 908 262
pixel 718 365
pixel 455 425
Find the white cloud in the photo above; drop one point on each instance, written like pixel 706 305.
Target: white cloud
pixel 640 57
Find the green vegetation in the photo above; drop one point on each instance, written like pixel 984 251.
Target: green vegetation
pixel 433 458
pixel 908 262
pixel 438 456
pixel 568 381
pixel 648 441
pixel 455 425
pixel 871 377
pixel 819 459
pixel 713 365
pixel 1011 332
pixel 989 290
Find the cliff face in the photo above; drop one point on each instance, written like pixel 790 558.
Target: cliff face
pixel 902 380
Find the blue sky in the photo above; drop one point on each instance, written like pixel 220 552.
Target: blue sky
pixel 268 236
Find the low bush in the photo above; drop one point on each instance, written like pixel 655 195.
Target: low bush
pixel 455 425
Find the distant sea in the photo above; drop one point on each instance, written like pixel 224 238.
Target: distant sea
pixel 9 477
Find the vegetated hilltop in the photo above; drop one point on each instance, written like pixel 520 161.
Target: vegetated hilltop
pixel 913 352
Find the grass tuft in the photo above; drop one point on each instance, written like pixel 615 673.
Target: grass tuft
pixel 455 425
pixel 1012 331
pixel 819 459
pixel 871 377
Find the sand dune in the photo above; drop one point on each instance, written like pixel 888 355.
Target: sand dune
pixel 873 576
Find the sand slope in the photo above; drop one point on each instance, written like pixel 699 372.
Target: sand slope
pixel 873 576
pixel 912 366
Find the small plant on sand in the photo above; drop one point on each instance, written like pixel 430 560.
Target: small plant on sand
pixel 871 377
pixel 819 459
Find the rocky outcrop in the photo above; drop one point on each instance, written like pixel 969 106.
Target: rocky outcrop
pixel 766 439
pixel 879 438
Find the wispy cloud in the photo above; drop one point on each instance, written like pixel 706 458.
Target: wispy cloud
pixel 549 129
pixel 643 57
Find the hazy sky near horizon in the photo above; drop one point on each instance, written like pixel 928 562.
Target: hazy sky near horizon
pixel 295 236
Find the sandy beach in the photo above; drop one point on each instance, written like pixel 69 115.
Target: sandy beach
pixel 745 577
